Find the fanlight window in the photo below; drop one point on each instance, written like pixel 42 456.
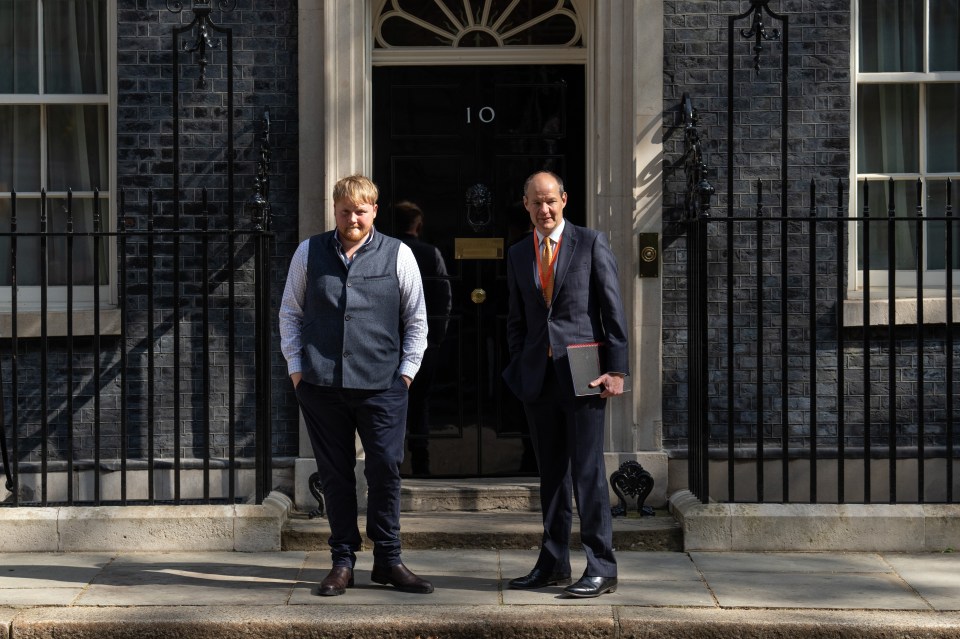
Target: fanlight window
pixel 477 23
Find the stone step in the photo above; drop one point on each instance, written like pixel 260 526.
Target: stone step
pixel 483 513
pixel 440 495
pixel 499 529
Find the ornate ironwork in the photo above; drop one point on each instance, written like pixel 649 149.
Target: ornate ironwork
pixel 758 31
pixel 258 204
pixel 631 479
pixel 699 188
pixel 201 11
pixel 316 489
pixel 203 42
pixel 479 201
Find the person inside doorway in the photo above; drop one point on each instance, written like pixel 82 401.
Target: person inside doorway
pixel 439 300
pixel 353 329
pixel 564 289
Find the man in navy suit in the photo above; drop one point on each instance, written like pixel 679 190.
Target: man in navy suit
pixel 564 289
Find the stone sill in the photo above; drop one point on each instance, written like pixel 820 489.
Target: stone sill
pixel 28 323
pixel 238 527
pixel 745 527
pixel 905 311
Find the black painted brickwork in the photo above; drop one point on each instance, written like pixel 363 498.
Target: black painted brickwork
pixel 265 77
pixel 818 150
pixel 265 68
pixel 695 62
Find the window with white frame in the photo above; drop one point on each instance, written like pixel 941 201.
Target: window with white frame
pixel 55 84
pixel 907 74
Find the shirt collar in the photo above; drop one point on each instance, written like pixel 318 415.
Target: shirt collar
pixel 554 235
pixel 343 254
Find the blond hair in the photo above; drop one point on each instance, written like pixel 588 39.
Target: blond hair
pixel 356 188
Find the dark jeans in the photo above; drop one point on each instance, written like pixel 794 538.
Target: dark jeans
pixel 333 416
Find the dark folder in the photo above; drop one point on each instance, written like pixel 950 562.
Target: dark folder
pixel 584 362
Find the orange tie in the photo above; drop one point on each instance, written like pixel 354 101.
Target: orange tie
pixel 546 268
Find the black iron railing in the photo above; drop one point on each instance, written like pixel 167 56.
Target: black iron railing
pixel 172 400
pixel 167 394
pixel 698 194
pixel 783 379
pixel 798 389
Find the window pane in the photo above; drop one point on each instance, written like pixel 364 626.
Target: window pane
pixel 28 245
pixel 944 43
pixel 556 30
pixel 888 128
pixel 19 148
pixel 400 32
pixel 427 23
pixel 905 205
pixel 75 46
pixel 936 234
pixel 943 128
pixel 81 258
pixel 28 248
pixel 891 35
pixel 77 147
pixel 19 49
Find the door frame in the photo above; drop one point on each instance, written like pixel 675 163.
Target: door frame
pixel 624 104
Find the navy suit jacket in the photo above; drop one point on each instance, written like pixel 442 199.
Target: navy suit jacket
pixel 586 307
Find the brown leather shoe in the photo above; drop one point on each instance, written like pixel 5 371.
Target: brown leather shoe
pixel 336 582
pixel 401 578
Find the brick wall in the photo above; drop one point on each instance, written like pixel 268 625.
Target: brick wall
pixel 265 68
pixel 265 78
pixel 818 133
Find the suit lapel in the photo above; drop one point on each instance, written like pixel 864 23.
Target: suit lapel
pixel 530 255
pixel 568 244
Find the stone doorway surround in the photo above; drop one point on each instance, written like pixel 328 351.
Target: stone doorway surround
pixel 624 69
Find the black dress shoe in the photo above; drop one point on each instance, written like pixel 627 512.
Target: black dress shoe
pixel 538 578
pixel 592 587
pixel 336 582
pixel 400 577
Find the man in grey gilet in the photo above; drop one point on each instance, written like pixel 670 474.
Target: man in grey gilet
pixel 353 329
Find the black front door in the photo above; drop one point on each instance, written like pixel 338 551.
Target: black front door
pixel 458 142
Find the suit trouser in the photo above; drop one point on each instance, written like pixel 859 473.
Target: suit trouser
pixel 334 416
pixel 567 434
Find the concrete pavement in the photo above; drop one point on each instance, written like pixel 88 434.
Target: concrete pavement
pixel 661 594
